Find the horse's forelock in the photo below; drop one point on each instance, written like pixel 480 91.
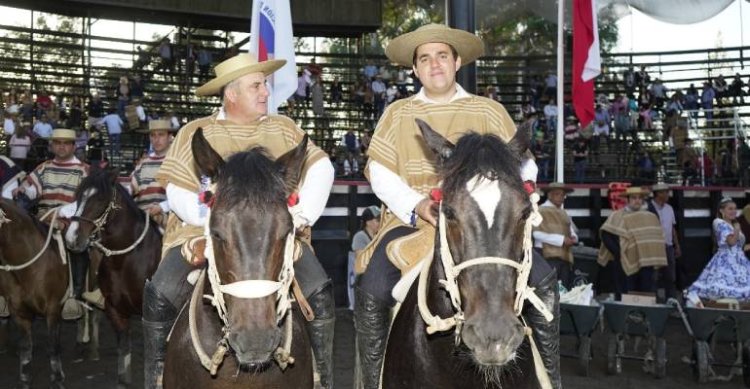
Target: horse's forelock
pixel 484 156
pixel 250 178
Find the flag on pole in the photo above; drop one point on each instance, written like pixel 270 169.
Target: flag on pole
pixel 587 62
pixel 271 37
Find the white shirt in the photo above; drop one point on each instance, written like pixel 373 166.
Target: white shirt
pixel 313 193
pixel 667 220
pixel 556 240
pixel 43 129
pixel 9 126
pixel 400 198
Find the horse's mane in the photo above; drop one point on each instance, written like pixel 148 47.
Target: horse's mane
pixel 486 155
pixel 250 176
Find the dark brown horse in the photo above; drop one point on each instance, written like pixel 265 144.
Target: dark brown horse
pixel 37 289
pixel 250 229
pixel 108 220
pixel 484 210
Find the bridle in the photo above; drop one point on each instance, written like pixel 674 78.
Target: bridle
pixel 450 282
pixel 247 289
pixel 95 239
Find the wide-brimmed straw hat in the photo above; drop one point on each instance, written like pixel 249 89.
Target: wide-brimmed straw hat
pixel 468 46
pixel 660 187
pixel 746 213
pixel 556 186
pixel 236 67
pixel 635 191
pixel 63 134
pixel 156 125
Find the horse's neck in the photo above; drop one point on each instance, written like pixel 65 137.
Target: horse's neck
pixel 126 221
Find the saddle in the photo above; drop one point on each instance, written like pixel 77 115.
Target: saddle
pixel 406 252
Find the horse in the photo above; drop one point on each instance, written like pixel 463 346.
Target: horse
pixel 249 245
pixel 34 280
pixel 109 224
pixel 482 225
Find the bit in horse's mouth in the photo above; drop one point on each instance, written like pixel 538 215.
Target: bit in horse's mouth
pixel 256 367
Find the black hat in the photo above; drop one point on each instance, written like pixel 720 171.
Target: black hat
pixel 370 213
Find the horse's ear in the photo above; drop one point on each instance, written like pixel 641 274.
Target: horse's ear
pixel 436 142
pixel 520 141
pixel 209 162
pixel 290 165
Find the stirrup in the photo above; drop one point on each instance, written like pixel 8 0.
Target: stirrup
pixel 4 308
pixel 72 309
pixel 94 297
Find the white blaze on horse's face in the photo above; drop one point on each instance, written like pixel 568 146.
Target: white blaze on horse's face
pixel 487 194
pixel 72 233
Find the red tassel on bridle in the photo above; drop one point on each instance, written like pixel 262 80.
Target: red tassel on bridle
pixel 293 199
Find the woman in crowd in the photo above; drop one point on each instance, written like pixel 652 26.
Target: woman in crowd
pixel 727 275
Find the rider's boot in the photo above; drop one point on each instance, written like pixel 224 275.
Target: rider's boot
pixel 547 334
pixel 158 316
pixel 320 331
pixel 371 322
pixel 80 266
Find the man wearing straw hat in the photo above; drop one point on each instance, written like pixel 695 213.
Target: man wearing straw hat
pixel 660 207
pixel 242 122
pixel 149 194
pixel 554 237
pixel 632 245
pixel 401 172
pixel 54 183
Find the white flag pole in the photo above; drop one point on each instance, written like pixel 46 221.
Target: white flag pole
pixel 560 84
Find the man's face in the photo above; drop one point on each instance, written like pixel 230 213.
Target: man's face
pixel 662 195
pixel 159 140
pixel 248 97
pixel 63 149
pixel 557 197
pixel 436 68
pixel 635 202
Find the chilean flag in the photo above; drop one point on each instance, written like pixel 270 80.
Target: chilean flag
pixel 271 37
pixel 587 63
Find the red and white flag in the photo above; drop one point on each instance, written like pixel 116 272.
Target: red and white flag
pixel 587 62
pixel 271 37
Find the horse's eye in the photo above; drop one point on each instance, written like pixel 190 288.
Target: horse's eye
pixel 216 236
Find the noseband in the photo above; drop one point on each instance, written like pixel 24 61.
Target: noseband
pixel 99 222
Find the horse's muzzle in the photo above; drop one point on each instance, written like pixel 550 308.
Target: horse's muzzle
pixel 254 348
pixel 493 343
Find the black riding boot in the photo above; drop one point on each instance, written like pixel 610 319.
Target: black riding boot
pixel 547 334
pixel 371 321
pixel 320 331
pixel 158 316
pixel 79 268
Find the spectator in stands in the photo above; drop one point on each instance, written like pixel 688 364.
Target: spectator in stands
pixel 527 110
pixel 166 55
pixel 370 227
pixel 352 146
pixel 316 91
pixel 82 139
pixel 646 120
pixel 727 275
pixel 144 57
pixel 621 115
pixel 204 62
pixel 9 124
pixel 743 161
pixel 550 86
pixel 20 144
pixel 191 56
pixel 27 107
pixel 95 148
pixel 114 128
pixel 401 78
pixel 601 127
pixel 633 245
pixel 658 93
pixel 122 93
pixel 542 153
pixel 707 102
pixel 660 207
pixel 550 116
pixel 554 237
pixel 369 101
pixel 76 113
pixel 642 78
pixel 370 70
pixel 646 168
pixel 572 129
pixel 628 79
pixel 95 109
pixel 336 92
pixel 720 88
pixel 364 141
pixel 692 101
pixel 43 128
pixel 313 69
pixel 737 89
pixel 141 113
pixel 174 120
pixel 378 93
pixel 391 93
pixel 43 103
pixel 300 95
pixel 136 87
pixel 726 167
pixel 690 162
pixel 492 93
pixel 580 159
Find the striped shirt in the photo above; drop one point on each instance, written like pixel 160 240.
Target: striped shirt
pixel 56 182
pixel 146 189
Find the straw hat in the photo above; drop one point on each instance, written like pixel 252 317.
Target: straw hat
pixel 746 213
pixel 155 125
pixel 236 67
pixel 634 191
pixel 660 187
pixel 468 46
pixel 556 185
pixel 63 134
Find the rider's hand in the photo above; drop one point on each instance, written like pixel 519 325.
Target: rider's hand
pixel 569 241
pixel 154 210
pixel 19 190
pixel 426 209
